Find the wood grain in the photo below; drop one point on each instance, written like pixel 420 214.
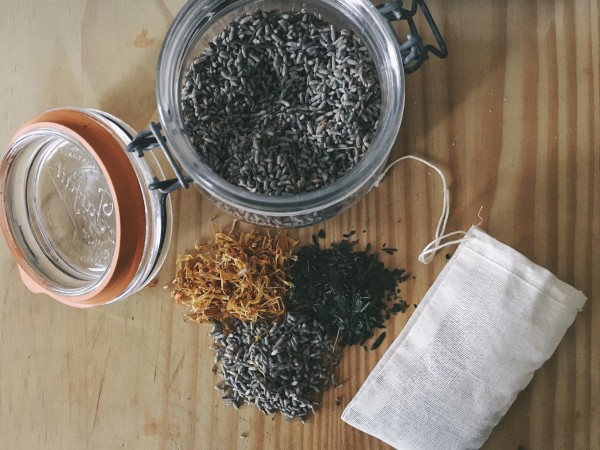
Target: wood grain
pixel 513 118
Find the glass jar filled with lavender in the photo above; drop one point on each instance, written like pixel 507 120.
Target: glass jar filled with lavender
pixel 283 112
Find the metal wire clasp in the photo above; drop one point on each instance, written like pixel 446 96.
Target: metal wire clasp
pixel 413 51
pixel 150 139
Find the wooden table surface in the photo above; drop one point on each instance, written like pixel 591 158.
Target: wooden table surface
pixel 512 116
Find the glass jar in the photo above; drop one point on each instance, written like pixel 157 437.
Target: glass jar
pixel 76 211
pixel 201 21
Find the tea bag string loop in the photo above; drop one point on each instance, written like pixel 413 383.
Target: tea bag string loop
pixel 432 248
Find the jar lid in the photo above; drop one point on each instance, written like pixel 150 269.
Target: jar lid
pixel 71 208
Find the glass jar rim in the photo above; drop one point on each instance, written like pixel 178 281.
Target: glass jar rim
pixel 179 41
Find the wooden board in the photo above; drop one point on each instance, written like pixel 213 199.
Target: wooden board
pixel 512 116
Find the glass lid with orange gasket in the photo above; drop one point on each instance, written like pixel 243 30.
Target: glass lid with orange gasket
pixel 75 209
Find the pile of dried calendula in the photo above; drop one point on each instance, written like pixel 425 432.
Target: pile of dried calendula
pixel 241 275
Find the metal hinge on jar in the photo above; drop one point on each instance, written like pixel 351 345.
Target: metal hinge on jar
pixel 413 51
pixel 149 140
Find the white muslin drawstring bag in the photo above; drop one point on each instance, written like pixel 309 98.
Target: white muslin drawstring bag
pixel 491 318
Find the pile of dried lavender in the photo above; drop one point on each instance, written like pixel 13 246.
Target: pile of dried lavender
pixel 282 102
pixel 278 366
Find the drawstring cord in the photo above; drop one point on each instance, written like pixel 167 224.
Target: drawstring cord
pixel 430 250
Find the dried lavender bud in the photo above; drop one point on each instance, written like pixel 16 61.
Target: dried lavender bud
pixel 282 102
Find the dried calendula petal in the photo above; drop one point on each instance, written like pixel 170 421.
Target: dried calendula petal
pixel 241 275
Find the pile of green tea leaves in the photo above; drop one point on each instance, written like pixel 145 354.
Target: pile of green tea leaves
pixel 349 292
